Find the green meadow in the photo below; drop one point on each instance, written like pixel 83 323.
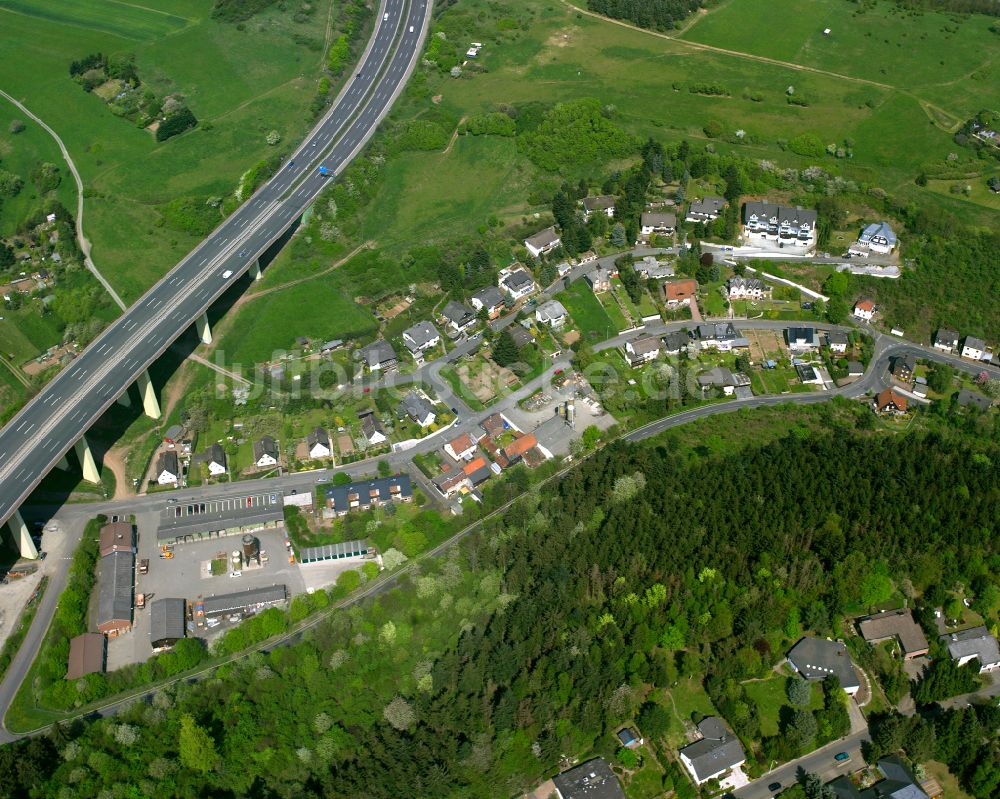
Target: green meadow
pixel 241 84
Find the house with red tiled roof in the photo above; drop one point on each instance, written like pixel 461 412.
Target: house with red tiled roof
pixel 864 309
pixel 461 448
pixel 679 292
pixel 890 403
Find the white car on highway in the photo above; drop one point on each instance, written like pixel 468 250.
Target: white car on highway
pixel 227 274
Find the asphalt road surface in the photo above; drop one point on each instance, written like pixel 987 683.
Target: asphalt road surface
pixel 820 762
pixel 51 423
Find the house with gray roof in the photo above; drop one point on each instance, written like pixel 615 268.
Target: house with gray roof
pixel 551 313
pixel 716 752
pixel 652 268
pixel 897 783
pixel 675 341
pixel 895 625
pixel 945 340
pixel 641 350
pixel 877 237
pixel 837 341
pixel 705 210
pixel 591 780
pixel 458 316
pixel 490 298
pixel 976 349
pixel 769 222
pixel 975 643
pixel 379 355
pixel 318 443
pixel 214 458
pixel 721 336
pixel 418 408
pixel 659 222
pixel 818 658
pixel 265 452
pixel 801 339
pixel 167 470
pixel 421 337
pixel 115 574
pixel 517 284
pixel 601 203
pixel 542 242
pixel 747 288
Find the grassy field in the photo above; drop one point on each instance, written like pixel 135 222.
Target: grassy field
pixel 933 55
pixel 178 48
pixel 587 312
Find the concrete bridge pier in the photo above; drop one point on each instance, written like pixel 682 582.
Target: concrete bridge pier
pixel 204 330
pixel 255 271
pixel 63 464
pixel 87 462
pixel 125 400
pixel 22 536
pixel 150 404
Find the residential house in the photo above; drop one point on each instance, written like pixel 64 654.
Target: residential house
pixel 318 443
pixel 650 267
pixel 167 621
pixel 877 237
pixel 718 377
pixel 946 340
pixel 167 470
pixel 889 403
pixel 494 425
pixel 86 655
pixel 898 783
pixel 214 458
pixel 629 738
pixel 477 471
pixel 419 338
pixel 903 367
pixel 837 341
pixel 747 288
pixel 818 658
pixel 802 339
pixel 542 242
pixel 864 310
pixel 115 574
pixel 490 298
pixel 975 643
pixel 642 350
pixel 564 268
pixel 551 313
pixel 855 369
pixel 451 481
pixel 602 203
pixel 599 279
pixel 524 447
pixel 920 387
pixel 518 284
pixel 679 292
pixel 659 222
pixel 721 336
pixel 766 221
pixel 116 537
pixel 705 210
pixel 675 341
pixel 591 780
pixel 331 345
pixel 461 448
pixel 379 355
pixel 716 752
pixel 458 316
pixel 895 625
pixel 265 452
pixel 970 399
pixel 365 494
pixel 808 374
pixel 418 408
pixel 975 349
pixel 521 335
pixel 371 428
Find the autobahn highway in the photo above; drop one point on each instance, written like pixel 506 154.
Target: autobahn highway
pixel 51 423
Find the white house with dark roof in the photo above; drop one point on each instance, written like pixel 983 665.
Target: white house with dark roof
pixel 747 288
pixel 837 341
pixel 818 658
pixel 167 469
pixel 421 337
pixel 551 314
pixel 418 408
pixel 642 350
pixel 789 227
pixel 318 443
pixel 651 268
pixel 214 458
pixel 802 339
pixel 877 237
pixel 659 222
pixel 265 452
pixel 716 752
pixel 490 298
pixel 975 349
pixel 542 242
pixel 371 428
pixel 975 643
pixel 705 210
pixel 517 283
pixel 721 336
pixel 601 203
pixel 379 355
pixel 591 780
pixel 945 340
pixel 675 341
pixel 458 316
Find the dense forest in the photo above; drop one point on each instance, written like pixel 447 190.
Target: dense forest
pixel 660 15
pixel 546 629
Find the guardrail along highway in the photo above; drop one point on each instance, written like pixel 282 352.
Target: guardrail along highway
pixel 53 421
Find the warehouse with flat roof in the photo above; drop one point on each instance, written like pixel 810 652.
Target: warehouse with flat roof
pixel 167 619
pixel 246 601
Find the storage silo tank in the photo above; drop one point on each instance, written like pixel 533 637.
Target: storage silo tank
pixel 251 549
